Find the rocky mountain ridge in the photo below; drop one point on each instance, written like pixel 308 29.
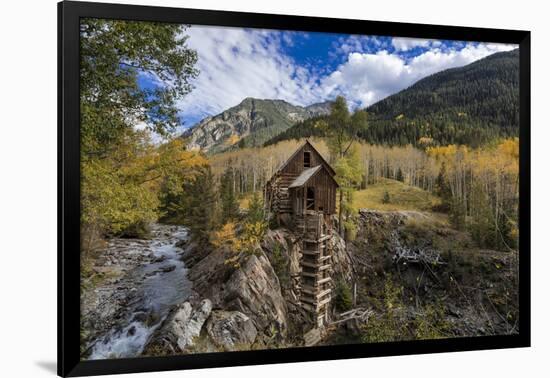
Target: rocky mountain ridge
pixel 250 123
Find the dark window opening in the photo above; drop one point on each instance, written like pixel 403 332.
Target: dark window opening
pixel 310 199
pixel 307 159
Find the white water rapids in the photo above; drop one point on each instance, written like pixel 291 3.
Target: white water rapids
pixel 158 286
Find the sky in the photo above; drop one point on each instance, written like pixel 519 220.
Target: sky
pixel 305 68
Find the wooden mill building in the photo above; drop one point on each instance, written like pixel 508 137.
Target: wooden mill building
pixel 302 195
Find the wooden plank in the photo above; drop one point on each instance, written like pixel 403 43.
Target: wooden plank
pixel 309 290
pixel 323 293
pixel 325 301
pixel 310 300
pixel 320 240
pixel 310 251
pixel 324 280
pixel 308 274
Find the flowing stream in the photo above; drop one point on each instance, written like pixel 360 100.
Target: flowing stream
pixel 155 288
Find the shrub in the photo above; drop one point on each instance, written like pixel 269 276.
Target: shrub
pixel 389 325
pixel 280 265
pixel 351 230
pixel 431 323
pixel 224 236
pixel 140 230
pixel 343 300
pixel 247 243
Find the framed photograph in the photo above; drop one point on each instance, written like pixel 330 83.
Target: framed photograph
pixel 239 188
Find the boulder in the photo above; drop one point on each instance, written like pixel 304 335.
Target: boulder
pixel 231 330
pixel 167 269
pixel 178 331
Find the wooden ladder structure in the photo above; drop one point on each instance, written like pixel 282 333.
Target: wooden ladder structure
pixel 315 279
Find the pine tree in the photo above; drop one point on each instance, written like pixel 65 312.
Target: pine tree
pixel 371 177
pixel 481 224
pixel 399 175
pixel 255 209
pixel 199 205
pixel 457 214
pixel 443 189
pixel 229 203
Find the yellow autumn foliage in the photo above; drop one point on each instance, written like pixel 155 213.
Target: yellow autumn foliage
pixel 246 243
pixel 224 236
pixel 233 139
pixel 502 160
pixel 121 190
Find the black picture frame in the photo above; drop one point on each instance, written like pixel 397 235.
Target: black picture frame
pixel 69 14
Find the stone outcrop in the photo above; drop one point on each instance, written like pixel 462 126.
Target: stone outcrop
pixel 283 251
pixel 230 330
pixel 341 262
pixel 254 290
pixel 178 331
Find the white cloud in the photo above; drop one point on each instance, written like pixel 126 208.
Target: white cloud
pixel 366 78
pixel 358 43
pixel 406 44
pixel 236 63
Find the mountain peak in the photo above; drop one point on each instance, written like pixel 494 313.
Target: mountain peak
pixel 250 123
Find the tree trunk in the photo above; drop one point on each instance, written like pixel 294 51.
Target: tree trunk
pixel 341 214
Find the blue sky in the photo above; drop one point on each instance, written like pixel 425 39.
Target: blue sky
pixel 305 68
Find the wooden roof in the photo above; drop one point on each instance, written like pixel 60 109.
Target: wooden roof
pixel 306 175
pixel 325 163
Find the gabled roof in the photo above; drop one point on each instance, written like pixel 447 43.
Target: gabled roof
pixel 306 175
pixel 326 164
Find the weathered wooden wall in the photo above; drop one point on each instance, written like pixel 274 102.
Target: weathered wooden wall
pixel 296 163
pixel 325 194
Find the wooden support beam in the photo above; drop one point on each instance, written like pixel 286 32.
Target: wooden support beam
pixel 324 280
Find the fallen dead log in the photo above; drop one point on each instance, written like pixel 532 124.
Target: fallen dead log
pixel 403 254
pixel 360 313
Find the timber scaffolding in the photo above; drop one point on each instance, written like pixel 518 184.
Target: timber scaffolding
pixel 302 196
pixel 315 279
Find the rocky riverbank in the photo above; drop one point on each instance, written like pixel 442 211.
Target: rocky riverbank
pixel 135 284
pixel 169 296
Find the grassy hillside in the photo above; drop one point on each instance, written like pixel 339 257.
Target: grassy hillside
pixel 401 197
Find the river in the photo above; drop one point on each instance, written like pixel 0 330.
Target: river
pixel 155 286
